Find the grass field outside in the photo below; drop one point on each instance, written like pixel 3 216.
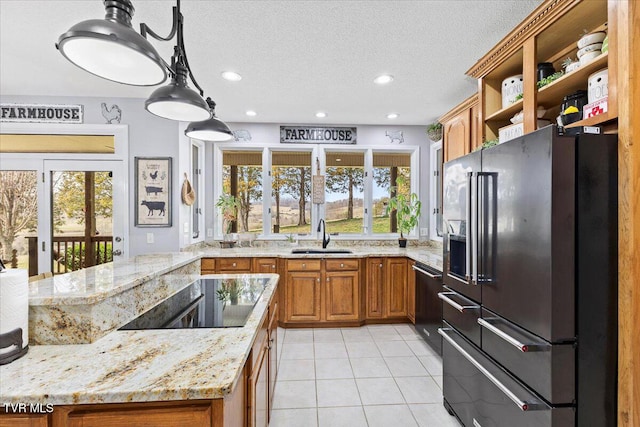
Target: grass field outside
pixel 346 226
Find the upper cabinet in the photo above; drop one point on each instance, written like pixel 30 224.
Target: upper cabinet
pixel 460 129
pixel 548 35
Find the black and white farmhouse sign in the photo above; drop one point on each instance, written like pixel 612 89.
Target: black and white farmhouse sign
pixel 317 135
pixel 41 113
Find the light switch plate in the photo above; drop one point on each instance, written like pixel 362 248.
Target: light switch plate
pixel 209 232
pixel 150 237
pixel 424 231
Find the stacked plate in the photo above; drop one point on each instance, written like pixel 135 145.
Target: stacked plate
pixel 590 46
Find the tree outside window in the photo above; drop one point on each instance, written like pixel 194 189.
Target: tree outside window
pixel 291 192
pixel 344 197
pixel 242 178
pixel 387 168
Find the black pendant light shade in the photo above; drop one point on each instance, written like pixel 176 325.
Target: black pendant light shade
pixel 212 129
pixel 176 101
pixel 110 48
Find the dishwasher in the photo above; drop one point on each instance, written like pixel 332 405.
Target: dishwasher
pixel 428 305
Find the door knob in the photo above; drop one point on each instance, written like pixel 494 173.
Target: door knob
pixel 117 252
pixel 118 239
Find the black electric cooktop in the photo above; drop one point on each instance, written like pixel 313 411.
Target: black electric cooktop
pixel 206 303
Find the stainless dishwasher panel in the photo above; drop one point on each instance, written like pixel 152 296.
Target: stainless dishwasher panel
pixel 461 313
pixel 483 395
pixel 547 369
pixel 428 306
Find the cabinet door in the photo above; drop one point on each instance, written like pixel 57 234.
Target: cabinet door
pixel 259 392
pixel 196 416
pixel 273 354
pixel 457 135
pixel 303 296
pixel 342 297
pixel 411 292
pixel 395 287
pixel 207 266
pixel 26 420
pixel 374 288
pixel 264 265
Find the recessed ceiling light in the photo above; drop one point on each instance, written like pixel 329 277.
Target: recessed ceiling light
pixel 392 116
pixel 251 113
pixel 231 76
pixel 321 115
pixel 383 79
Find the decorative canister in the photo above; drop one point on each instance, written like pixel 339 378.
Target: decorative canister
pixel 598 83
pixel 511 88
pixel 545 69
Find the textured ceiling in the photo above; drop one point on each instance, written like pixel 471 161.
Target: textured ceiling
pixel 295 57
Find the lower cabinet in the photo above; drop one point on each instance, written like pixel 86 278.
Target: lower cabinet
pixel 24 420
pixel 386 291
pixel 322 291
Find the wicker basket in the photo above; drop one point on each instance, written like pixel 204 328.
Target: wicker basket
pixel 435 134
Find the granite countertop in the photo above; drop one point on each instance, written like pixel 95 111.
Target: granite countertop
pixel 137 366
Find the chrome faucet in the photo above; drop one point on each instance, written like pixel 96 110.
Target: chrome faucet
pixel 325 236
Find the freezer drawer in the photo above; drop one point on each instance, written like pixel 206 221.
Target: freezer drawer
pixel 482 394
pixel 548 369
pixel 461 313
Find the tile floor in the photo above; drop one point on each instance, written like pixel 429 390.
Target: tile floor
pixel 376 375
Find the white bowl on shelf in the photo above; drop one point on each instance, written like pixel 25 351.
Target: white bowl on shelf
pixel 589 48
pixel 591 39
pixel 588 57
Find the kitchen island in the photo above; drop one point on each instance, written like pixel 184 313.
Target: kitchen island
pixel 160 370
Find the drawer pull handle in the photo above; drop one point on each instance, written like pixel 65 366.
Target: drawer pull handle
pixel 341 265
pixel 523 347
pixel 522 404
pixel 461 308
pixel 304 265
pixel 234 264
pixel 426 273
pixel 273 266
pixel 380 265
pixel 328 280
pixel 318 280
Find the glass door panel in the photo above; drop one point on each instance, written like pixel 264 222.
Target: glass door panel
pixel 19 218
pixel 87 216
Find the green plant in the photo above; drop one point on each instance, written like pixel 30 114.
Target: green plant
pixel 290 238
pixel 434 131
pixel 230 289
pixel 407 208
pixel 74 256
pixel 228 206
pixel 545 81
pixel 518 97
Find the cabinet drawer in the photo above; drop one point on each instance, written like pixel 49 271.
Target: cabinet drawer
pixel 234 264
pixel 303 265
pixel 462 313
pixel 208 264
pixel 547 369
pixel 341 264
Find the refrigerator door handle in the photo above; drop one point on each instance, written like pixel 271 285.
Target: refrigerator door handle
pixel 426 273
pixel 461 308
pixel 467 246
pixel 522 404
pixel 475 209
pixel 523 347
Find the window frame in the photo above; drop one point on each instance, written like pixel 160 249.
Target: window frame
pixel 434 209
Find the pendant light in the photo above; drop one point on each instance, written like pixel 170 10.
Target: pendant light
pixel 212 129
pixel 110 48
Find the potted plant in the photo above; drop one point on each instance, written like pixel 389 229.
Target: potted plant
pixel 434 131
pixel 407 209
pixel 228 206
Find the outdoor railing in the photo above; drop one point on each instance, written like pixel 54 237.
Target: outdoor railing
pixel 72 253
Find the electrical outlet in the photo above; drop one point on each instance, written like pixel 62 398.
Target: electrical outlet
pixel 209 232
pixel 150 237
pixel 424 231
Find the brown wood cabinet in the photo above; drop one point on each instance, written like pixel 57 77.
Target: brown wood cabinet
pixel 265 265
pixel 386 290
pixel 375 288
pixel 342 291
pixel 24 420
pixel 233 265
pixel 460 129
pixel 318 290
pixel 208 266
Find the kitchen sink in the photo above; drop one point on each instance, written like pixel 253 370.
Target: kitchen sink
pixel 320 251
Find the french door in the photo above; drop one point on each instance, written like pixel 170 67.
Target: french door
pixel 80 216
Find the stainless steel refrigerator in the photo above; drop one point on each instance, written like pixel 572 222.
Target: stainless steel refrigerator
pixel 530 275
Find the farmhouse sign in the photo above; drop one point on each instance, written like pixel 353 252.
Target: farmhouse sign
pixel 317 135
pixel 41 113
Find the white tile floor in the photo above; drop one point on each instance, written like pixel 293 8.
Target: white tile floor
pixel 376 375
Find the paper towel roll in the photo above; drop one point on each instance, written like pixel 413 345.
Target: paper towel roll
pixel 14 304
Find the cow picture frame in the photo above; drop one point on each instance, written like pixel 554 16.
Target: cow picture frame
pixel 153 192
